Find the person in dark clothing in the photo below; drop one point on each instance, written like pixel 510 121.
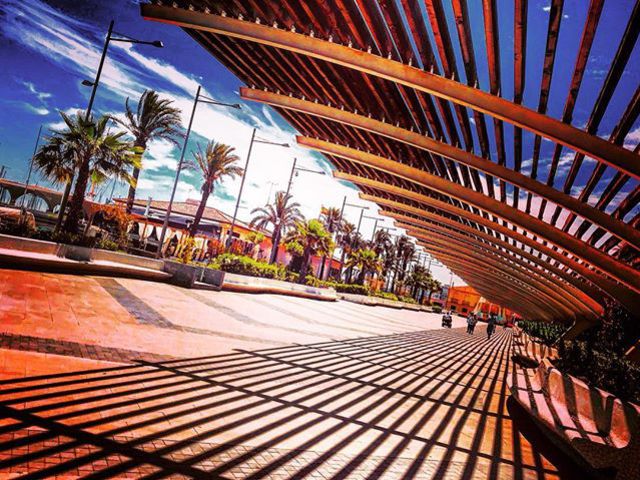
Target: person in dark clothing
pixel 471 323
pixel 491 326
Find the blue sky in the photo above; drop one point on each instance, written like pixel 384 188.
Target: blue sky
pixel 48 47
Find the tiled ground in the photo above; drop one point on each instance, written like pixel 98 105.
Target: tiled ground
pixel 113 378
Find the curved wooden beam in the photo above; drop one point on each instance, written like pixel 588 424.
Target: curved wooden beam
pixel 563 293
pixel 500 292
pixel 614 226
pixel 485 259
pixel 560 278
pixel 608 265
pixel 412 77
pixel 615 290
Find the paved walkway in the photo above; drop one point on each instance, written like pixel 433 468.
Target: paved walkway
pixel 113 378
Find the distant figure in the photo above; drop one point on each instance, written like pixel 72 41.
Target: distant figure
pixel 471 323
pixel 491 326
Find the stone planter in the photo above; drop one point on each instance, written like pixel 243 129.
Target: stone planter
pixel 248 284
pixel 185 275
pixel 377 301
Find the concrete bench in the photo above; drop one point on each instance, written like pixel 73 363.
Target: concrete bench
pixel 592 425
pixel 526 347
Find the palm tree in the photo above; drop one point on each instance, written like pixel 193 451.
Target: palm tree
pixel 281 214
pixel 344 241
pixel 366 261
pixel 310 238
pixel 154 119
pixel 88 147
pixel 54 161
pixel 216 162
pixel 405 251
pixel 381 242
pixel 419 280
pixel 434 286
pixel 331 218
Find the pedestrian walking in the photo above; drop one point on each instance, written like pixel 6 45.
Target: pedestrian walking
pixel 491 326
pixel 471 323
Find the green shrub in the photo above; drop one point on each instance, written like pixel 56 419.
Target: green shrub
pixel 386 295
pixel 436 308
pixel 548 333
pixel 243 265
pixel 107 244
pixel 407 299
pixel 338 287
pixel 605 370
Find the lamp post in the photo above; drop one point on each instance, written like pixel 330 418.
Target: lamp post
pixel 199 98
pixel 294 171
pixel 375 225
pixel 362 209
pixel 23 210
pixel 110 38
pixel 244 175
pixel 87 83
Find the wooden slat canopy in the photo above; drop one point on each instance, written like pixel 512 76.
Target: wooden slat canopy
pixel 410 125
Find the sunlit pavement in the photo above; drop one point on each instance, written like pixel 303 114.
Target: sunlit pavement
pixel 103 378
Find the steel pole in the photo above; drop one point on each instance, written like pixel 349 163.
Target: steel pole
pixel 244 175
pixel 67 191
pixel 293 170
pixel 276 237
pixel 175 182
pixel 26 185
pixel 100 65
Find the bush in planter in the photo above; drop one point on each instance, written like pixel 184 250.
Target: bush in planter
pixel 339 287
pixel 243 265
pixel 410 300
pixel 386 295
pixel 547 333
pixel 607 371
pixel 436 308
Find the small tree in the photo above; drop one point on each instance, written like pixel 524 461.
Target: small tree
pixel 309 238
pixel 87 147
pixel 366 261
pixel 282 214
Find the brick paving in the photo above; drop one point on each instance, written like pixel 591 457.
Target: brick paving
pixel 75 349
pixel 269 387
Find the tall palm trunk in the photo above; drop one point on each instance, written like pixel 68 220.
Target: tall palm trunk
pixel 362 276
pixel 206 191
pixel 77 201
pixel 305 265
pixel 131 196
pixel 342 255
pixel 275 242
pixel 322 267
pixel 63 204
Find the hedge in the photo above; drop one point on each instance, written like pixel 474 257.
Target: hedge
pixel 548 333
pixel 243 265
pixel 604 370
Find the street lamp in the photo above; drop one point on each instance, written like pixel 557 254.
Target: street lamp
pixel 244 175
pixel 110 38
pixel 199 98
pixel 294 171
pixel 375 225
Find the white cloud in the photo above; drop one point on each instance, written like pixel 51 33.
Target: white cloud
pixel 546 9
pixel 76 46
pixel 35 109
